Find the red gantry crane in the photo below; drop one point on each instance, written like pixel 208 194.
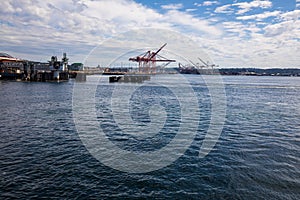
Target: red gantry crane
pixel 147 61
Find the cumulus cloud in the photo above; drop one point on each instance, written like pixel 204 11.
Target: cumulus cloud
pixel 287 30
pixel 278 28
pixel 74 26
pixel 259 42
pixel 288 27
pixel 37 29
pixel 292 15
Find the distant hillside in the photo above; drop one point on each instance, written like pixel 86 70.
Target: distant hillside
pixel 260 72
pixel 241 71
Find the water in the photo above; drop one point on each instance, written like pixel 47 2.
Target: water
pixel 256 156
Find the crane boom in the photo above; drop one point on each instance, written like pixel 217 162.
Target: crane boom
pixel 154 54
pixel 203 62
pixel 147 61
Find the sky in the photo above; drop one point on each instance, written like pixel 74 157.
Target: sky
pixel 237 33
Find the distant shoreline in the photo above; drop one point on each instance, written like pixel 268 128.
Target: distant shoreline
pixel 244 71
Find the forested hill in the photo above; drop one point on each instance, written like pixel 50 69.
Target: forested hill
pixel 260 72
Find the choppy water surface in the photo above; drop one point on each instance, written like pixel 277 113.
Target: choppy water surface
pixel 256 157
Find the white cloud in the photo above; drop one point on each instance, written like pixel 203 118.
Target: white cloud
pixel 292 15
pixel 206 3
pixel 297 3
pixel 241 30
pixel 260 16
pixel 36 29
pixel 188 20
pixel 247 6
pixel 224 9
pixel 73 25
pixel 209 3
pixel 257 51
pixel 172 6
pixel 190 10
pixel 285 27
pixel 259 44
pixel 73 22
pixel 243 7
pixel 7 8
pixel 288 27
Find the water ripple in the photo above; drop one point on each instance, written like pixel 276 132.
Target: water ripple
pixel 256 157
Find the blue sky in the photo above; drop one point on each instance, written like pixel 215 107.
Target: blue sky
pixel 238 33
